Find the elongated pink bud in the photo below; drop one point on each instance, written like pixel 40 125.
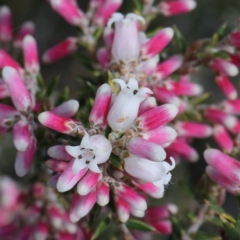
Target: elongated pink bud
pixel 162 136
pixel 66 109
pixel 147 105
pixel 8 115
pixel 156 43
pixel 223 163
pixel 103 57
pixel 73 210
pixel 167 67
pixel 222 137
pixel 67 180
pixel 235 59
pixel 131 197
pixel 156 213
pixel 100 109
pixel 183 88
pixel 86 204
pixel 103 190
pixel 56 165
pixel 123 210
pixel 7 60
pixel 223 181
pixel 183 150
pixel 21 135
pixel 218 116
pixel 3 89
pixel 61 50
pixel 151 189
pixel 232 106
pixel 69 10
pixel 223 66
pixel 88 182
pixel 24 159
pixel 167 96
pixel 145 149
pixel 226 86
pixel 20 95
pixel 59 152
pixel 235 39
pixel 171 8
pixel 30 54
pixel 193 129
pixel 58 123
pixel 105 11
pixel 27 28
pixel 5 24
pixel 156 117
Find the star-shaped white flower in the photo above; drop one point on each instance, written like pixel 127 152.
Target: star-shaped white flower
pixel 92 151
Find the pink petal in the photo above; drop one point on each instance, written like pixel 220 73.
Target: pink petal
pixel 24 159
pixel 123 210
pixel 59 152
pixel 156 117
pixel 61 50
pixel 66 109
pixel 68 179
pixel 30 53
pixel 100 109
pixel 156 43
pixel 103 193
pixel 88 182
pixel 223 163
pixel 21 135
pixel 56 165
pixel 20 95
pixel 7 60
pixel 5 24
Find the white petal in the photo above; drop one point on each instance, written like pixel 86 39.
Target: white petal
pixel 169 167
pixel 85 143
pixel 78 165
pixel 120 82
pixel 73 151
pixel 94 167
pixel 133 84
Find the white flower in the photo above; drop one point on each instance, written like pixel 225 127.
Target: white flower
pixel 125 108
pixel 92 151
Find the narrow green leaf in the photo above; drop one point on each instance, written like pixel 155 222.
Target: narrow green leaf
pixel 116 161
pixel 180 40
pixel 138 5
pixel 139 225
pixel 215 207
pixel 231 231
pixel 102 226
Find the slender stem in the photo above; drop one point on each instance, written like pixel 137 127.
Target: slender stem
pixel 126 233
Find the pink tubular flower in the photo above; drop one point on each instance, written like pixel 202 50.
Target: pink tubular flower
pixel 30 53
pixel 6 60
pixel 69 10
pixel 105 11
pixel 156 117
pixel 103 190
pixel 124 50
pixel 231 186
pixel 24 159
pixel 27 28
pixel 20 95
pixel 226 86
pixel 92 151
pixel 224 164
pixel 61 50
pixel 99 111
pixel 175 7
pixel 5 24
pixel 223 66
pixel 59 123
pixel 222 138
pixel 235 38
pixel 167 67
pixel 124 110
pixel 156 43
pixel 232 106
pixel 192 129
